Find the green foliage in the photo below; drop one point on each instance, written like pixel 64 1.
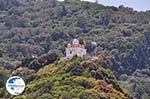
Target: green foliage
pixel 138 83
pixel 45 96
pixel 35 64
pixel 88 95
pixel 57 36
pixel 2 92
pixel 107 73
pixel 76 59
pixel 82 81
pixel 30 27
pixel 4 74
pixel 75 69
pixel 66 82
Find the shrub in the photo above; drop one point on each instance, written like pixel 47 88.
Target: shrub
pixel 3 76
pixel 87 95
pixel 75 69
pixel 83 81
pixel 35 64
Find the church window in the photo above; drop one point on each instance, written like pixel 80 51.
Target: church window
pixel 70 52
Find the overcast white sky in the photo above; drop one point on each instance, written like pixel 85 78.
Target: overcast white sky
pixel 139 5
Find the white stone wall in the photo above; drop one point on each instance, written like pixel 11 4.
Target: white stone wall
pixel 70 52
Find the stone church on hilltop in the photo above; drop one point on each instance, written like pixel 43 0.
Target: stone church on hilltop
pixel 75 48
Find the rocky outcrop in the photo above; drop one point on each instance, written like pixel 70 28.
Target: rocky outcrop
pixel 33 64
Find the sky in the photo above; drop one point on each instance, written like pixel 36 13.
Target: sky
pixel 139 5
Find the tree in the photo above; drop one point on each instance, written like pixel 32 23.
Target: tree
pixel 57 35
pixel 3 4
pixel 35 64
pixel 4 74
pixel 106 17
pixel 75 69
pixel 90 46
pixel 53 3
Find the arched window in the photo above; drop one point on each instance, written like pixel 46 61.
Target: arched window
pixel 70 52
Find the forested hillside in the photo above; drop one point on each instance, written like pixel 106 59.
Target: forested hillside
pixel 70 79
pixel 36 27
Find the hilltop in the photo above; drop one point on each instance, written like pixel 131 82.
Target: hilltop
pixel 35 27
pixel 68 79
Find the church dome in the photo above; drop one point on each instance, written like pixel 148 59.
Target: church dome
pixel 69 45
pixel 75 41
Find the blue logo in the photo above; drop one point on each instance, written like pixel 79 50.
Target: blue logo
pixel 15 85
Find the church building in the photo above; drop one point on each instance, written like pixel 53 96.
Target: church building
pixel 75 48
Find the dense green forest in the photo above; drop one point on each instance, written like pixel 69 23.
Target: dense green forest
pixel 38 27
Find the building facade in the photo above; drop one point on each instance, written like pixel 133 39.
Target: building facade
pixel 75 48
